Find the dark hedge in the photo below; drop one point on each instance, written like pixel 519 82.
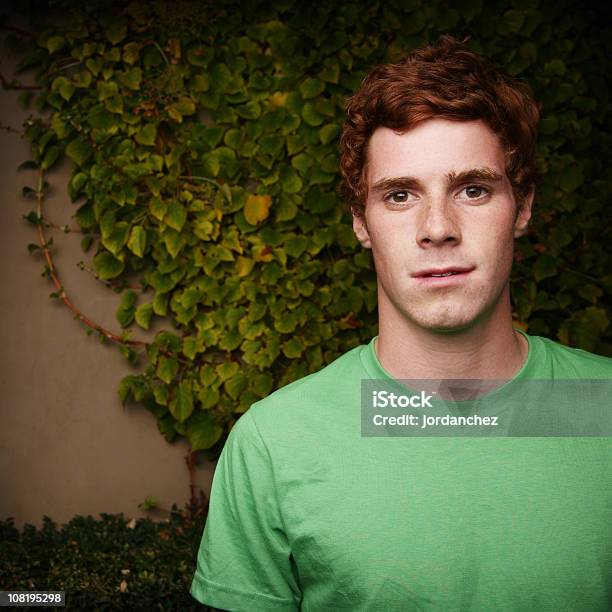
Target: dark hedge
pixel 91 558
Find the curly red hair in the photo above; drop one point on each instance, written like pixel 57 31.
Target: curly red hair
pixel 442 80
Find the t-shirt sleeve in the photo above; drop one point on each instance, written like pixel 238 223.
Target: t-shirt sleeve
pixel 244 561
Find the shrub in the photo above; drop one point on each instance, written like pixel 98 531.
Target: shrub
pixel 109 563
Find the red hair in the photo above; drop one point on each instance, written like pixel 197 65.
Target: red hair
pixel 443 80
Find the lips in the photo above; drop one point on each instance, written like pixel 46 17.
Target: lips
pixel 442 272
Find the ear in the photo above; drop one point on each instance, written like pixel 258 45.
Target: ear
pixel 524 215
pixel 361 230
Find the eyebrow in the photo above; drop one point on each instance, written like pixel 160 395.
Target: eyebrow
pixel 452 178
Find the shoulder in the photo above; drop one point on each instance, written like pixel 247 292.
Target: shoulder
pixel 313 398
pixel 566 362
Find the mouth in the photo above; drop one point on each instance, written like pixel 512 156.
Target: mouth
pixel 442 272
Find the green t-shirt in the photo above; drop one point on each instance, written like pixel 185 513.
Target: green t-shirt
pixel 307 514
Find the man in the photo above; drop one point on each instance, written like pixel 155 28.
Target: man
pixel 309 514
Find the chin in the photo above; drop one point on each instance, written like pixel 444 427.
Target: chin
pixel 446 322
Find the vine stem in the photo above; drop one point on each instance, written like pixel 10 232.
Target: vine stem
pixel 191 460
pixel 87 269
pixel 10 129
pixel 201 178
pixel 62 294
pixel 7 85
pixel 12 28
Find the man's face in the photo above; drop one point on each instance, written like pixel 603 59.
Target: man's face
pixel 439 202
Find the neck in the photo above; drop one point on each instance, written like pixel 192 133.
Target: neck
pixel 488 349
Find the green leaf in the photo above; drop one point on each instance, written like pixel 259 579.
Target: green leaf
pixel 125 312
pixel 233 138
pixel 130 78
pixel 143 315
pixel 211 162
pixel 590 292
pixel 77 183
pixel 128 299
pixel 117 238
pixel 125 388
pixel 107 266
pixel 318 201
pixel 571 179
pixel 289 180
pixel 160 304
pixel 137 241
pixel 174 113
pixel 585 327
pixel 329 132
pixel 545 267
pixel 244 265
pixel 311 88
pixel 555 66
pixel 296 245
pixel 131 52
pixel 207 375
pixel 302 162
pixel 79 151
pixel 185 105
pixel 167 367
pixel 158 208
pixel 226 370
pixel 64 86
pixel 330 164
pixel 86 243
pixel 330 74
pixel 116 32
pixel 208 398
pixel 176 215
pixel 201 83
pixel 293 348
pixel 250 110
pixel 191 347
pixel 285 323
pixel 286 209
pixel 262 384
pixel 181 404
pixel 174 243
pixel 82 79
pixel 51 155
pixel 514 20
pixel 107 223
pixel 55 43
pixel 311 116
pixel 114 105
pixel 271 144
pixel 147 135
pixel 203 432
pixel 99 117
pixel 106 89
pixel 235 385
pixel 220 76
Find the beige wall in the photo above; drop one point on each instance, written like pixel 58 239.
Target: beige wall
pixel 67 446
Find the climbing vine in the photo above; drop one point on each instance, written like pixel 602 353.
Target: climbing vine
pixel 204 144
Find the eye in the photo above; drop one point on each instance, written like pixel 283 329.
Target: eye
pixel 397 197
pixel 475 192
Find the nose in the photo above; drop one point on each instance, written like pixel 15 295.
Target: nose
pixel 437 225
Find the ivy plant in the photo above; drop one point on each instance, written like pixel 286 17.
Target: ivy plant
pixel 204 143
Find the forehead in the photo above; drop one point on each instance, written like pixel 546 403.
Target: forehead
pixel 432 149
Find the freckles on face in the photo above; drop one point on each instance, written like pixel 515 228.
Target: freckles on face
pixel 439 219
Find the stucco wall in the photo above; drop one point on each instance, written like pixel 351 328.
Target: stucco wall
pixel 67 446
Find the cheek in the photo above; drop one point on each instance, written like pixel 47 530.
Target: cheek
pixel 391 247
